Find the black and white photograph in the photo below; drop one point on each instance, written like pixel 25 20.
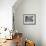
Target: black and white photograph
pixel 29 19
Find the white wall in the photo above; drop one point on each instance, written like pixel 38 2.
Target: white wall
pixel 43 22
pixel 30 31
pixel 38 31
pixel 6 13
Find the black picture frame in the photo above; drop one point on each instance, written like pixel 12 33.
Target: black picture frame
pixel 29 19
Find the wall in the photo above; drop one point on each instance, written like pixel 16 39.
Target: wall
pixel 29 31
pixel 6 13
pixel 43 22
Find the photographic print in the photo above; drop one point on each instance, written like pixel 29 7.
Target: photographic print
pixel 29 19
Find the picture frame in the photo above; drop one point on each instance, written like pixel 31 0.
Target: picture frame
pixel 29 19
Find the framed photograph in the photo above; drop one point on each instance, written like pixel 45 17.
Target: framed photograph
pixel 29 19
